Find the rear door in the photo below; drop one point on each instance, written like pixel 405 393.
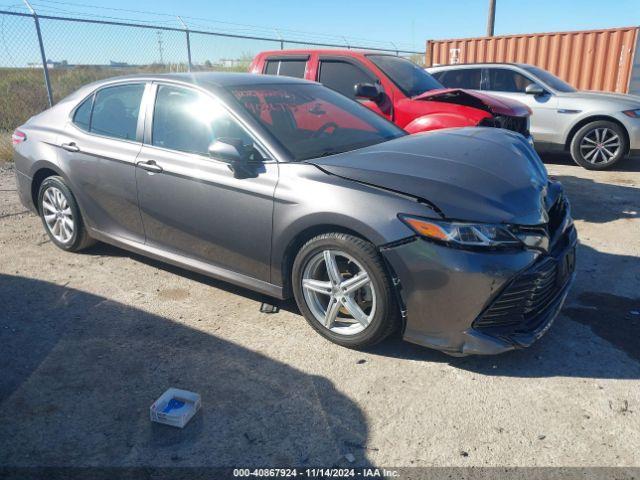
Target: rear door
pixel 191 204
pixel 504 82
pixel 100 146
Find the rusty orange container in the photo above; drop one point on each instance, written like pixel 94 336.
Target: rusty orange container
pixel 605 60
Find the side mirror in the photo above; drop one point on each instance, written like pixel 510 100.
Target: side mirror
pixel 368 91
pixel 233 152
pixel 534 89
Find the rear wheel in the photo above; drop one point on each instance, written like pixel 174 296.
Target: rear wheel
pixel 599 145
pixel 343 291
pixel 61 216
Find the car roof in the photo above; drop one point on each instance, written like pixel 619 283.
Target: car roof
pixel 323 51
pixel 213 79
pixel 480 64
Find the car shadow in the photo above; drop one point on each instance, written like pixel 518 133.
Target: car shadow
pixel 105 250
pixel 79 373
pixel 596 202
pixel 628 164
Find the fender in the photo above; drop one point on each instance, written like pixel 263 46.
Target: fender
pixel 317 223
pixel 437 121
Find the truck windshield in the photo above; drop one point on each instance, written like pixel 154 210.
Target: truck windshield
pixel 407 76
pixel 312 121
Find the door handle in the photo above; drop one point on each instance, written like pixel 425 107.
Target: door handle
pixel 70 147
pixel 150 166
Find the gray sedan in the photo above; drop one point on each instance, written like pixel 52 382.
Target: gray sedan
pixel 456 239
pixel 597 128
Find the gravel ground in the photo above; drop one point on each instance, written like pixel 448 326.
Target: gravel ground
pixel 89 341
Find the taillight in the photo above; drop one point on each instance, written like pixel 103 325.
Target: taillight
pixel 18 137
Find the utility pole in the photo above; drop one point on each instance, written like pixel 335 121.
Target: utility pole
pixel 159 33
pixel 492 17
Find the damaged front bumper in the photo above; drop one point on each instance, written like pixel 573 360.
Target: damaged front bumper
pixel 465 302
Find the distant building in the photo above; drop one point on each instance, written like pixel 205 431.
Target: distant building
pixel 231 63
pixel 51 64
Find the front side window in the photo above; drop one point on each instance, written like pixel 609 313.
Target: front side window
pixel 287 68
pixel 550 79
pixel 189 121
pixel 503 80
pixel 342 76
pixel 464 78
pixel 311 121
pixel 115 111
pixel 411 79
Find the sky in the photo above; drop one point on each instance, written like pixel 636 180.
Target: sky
pixel 406 24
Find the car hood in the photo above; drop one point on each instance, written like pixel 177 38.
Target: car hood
pixel 475 174
pixel 482 101
pixel 606 97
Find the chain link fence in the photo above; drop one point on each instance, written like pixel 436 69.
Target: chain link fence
pixel 79 51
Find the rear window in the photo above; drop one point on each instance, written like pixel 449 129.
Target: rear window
pixel 286 68
pixel 463 78
pixel 82 117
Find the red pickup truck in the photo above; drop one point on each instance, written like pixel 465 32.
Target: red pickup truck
pixel 396 88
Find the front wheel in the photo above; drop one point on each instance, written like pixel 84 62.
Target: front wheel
pixel 343 290
pixel 599 145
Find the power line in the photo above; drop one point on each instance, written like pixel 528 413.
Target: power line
pixel 303 35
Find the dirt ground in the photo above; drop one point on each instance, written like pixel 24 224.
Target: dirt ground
pixel 88 341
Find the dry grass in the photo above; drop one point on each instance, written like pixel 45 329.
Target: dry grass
pixel 23 94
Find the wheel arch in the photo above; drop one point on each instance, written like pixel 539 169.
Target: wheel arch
pixel 590 119
pixel 41 171
pixel 294 245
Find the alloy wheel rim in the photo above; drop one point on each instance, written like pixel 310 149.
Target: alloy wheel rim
pixel 600 145
pixel 339 292
pixel 58 215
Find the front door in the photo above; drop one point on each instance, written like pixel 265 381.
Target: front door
pixel 342 75
pixel 191 204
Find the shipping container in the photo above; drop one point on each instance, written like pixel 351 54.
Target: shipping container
pixel 604 60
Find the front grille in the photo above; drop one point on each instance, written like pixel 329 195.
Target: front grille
pixel 525 298
pixel 516 124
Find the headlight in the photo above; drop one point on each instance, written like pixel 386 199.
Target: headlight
pixel 463 234
pixel 632 113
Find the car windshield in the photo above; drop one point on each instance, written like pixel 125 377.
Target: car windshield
pixel 407 76
pixel 311 121
pixel 549 78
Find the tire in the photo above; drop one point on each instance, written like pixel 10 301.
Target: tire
pixel 602 140
pixel 374 300
pixel 56 204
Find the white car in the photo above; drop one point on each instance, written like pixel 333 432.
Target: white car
pixel 597 128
